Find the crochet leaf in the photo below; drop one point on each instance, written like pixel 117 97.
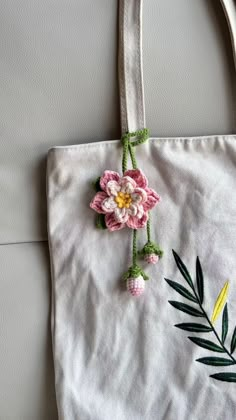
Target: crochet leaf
pixel 100 221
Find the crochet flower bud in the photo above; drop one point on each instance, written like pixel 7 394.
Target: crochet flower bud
pixel 151 258
pixel 151 253
pixel 135 285
pixel 135 279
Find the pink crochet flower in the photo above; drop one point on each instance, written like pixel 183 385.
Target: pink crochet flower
pixel 125 200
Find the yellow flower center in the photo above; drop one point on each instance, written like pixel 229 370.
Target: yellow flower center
pixel 123 200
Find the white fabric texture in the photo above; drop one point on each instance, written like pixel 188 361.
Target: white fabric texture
pixel 116 356
pixel 120 358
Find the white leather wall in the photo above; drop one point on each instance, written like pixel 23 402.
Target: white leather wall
pixel 58 84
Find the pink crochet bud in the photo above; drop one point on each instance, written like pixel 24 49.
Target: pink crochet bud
pixel 151 258
pixel 135 285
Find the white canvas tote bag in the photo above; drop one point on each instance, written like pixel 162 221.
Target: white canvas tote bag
pixel 117 356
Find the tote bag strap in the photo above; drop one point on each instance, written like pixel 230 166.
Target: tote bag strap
pixel 131 64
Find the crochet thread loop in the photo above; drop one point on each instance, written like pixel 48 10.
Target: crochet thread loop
pixel 142 137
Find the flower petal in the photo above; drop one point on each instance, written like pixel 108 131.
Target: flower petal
pixel 121 215
pixel 127 185
pixel 108 176
pixel 133 209
pixel 109 205
pixel 140 211
pixel 112 188
pixel 152 199
pixel 138 176
pixel 112 223
pixel 139 196
pixel 136 223
pixel 96 203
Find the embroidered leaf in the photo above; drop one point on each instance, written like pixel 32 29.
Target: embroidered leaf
pixel 220 301
pixel 200 280
pixel 206 344
pixel 215 361
pixel 225 323
pixel 181 290
pixel 225 376
pixel 186 308
pixel 182 268
pixel 194 327
pixel 233 341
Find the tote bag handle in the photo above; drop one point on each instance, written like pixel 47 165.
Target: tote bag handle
pixel 130 61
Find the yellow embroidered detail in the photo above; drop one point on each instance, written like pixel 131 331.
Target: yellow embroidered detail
pixel 220 301
pixel 123 200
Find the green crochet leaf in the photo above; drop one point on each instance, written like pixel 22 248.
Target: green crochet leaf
pixel 100 221
pixel 215 361
pixel 206 344
pixel 200 280
pixel 233 342
pixel 225 376
pixel 182 268
pixel 181 290
pixel 96 184
pixel 225 323
pixel 135 271
pixel 151 248
pixel 186 308
pixel 194 327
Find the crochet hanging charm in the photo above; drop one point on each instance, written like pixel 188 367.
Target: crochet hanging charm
pixel 126 201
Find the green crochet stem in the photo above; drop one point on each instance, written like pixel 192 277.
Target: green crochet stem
pixel 128 145
pixel 128 149
pixel 149 228
pixel 134 247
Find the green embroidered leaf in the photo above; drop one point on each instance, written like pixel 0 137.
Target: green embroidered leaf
pixel 182 268
pixel 206 344
pixel 233 341
pixel 181 290
pixel 225 376
pixel 200 280
pixel 225 323
pixel 215 361
pixel 186 308
pixel 194 327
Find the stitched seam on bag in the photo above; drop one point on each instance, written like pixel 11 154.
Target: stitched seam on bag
pixel 63 149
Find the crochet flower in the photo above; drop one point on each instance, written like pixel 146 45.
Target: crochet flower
pixel 124 200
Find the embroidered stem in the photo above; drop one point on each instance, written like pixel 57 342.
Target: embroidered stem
pixel 212 326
